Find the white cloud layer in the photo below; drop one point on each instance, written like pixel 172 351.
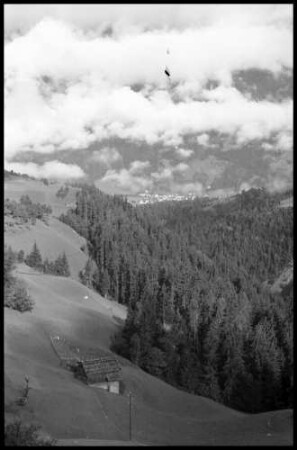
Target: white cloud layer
pixel 68 86
pixel 137 179
pixel 126 181
pixel 106 156
pixel 184 153
pixel 130 17
pixel 51 169
pixel 203 139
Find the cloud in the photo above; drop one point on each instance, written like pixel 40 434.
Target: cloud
pixel 139 17
pixel 106 156
pixel 103 111
pixel 278 184
pixel 181 167
pixel 185 188
pixel 138 178
pixel 267 146
pixel 285 141
pixel 203 139
pixel 280 173
pixel 139 166
pixel 184 153
pixel 207 170
pixel 51 169
pixel 78 75
pixel 97 81
pixel 245 186
pixel 126 181
pixel 167 171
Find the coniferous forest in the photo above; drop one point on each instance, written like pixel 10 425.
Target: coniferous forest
pixel 192 275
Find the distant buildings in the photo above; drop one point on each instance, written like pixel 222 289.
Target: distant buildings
pixel 147 197
pixel 212 196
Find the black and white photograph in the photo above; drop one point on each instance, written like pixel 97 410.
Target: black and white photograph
pixel 148 224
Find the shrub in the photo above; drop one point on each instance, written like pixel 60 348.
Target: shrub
pixel 25 200
pixel 21 435
pixel 9 264
pixel 16 296
pixel 21 256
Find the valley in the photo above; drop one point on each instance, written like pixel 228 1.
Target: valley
pixel 78 414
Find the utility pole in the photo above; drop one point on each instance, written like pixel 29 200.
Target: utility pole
pixel 130 416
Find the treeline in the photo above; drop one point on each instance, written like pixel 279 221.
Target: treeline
pixel 192 278
pixel 15 292
pixel 9 174
pixel 26 210
pixel 58 267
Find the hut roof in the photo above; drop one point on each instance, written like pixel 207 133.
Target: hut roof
pixel 101 369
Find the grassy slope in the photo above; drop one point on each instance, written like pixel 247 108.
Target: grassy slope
pixel 66 408
pixel 38 192
pixel 53 238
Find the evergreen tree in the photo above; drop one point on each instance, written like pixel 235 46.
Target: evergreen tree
pixel 49 267
pixel 34 259
pixel 85 275
pixel 61 266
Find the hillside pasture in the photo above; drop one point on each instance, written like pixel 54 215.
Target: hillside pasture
pixel 68 409
pixel 15 187
pixel 52 240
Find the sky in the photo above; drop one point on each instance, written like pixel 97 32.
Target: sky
pixel 86 96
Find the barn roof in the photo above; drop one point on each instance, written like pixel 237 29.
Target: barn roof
pixel 100 368
pixel 96 363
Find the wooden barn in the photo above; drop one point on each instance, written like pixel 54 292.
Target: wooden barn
pixel 102 372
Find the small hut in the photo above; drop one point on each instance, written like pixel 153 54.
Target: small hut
pixel 102 372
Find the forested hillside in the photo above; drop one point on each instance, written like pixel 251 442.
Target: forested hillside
pixel 192 276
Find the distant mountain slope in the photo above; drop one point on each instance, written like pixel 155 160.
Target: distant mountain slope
pixel 66 408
